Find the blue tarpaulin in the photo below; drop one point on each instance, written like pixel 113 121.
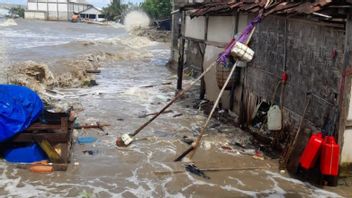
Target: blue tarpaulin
pixel 19 107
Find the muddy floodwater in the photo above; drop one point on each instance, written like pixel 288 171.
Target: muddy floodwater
pixel 133 81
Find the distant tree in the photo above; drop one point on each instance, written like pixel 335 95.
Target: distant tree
pixel 114 10
pixel 17 11
pixel 157 9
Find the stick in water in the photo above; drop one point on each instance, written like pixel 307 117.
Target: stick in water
pixel 212 170
pixel 179 94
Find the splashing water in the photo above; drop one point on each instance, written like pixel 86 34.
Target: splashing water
pixel 8 22
pixel 136 19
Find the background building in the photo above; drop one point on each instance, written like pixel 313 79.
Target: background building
pixel 92 14
pixel 57 10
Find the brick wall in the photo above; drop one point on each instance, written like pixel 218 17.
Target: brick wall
pixel 310 65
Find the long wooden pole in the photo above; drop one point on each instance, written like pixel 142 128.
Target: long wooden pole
pixel 213 170
pixel 178 95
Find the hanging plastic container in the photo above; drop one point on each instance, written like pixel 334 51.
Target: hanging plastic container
pixel 274 118
pixel 311 151
pixel 330 154
pixel 242 52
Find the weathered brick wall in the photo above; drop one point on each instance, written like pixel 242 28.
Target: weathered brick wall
pixel 311 65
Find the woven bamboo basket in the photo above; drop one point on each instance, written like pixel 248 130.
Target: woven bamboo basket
pixel 222 73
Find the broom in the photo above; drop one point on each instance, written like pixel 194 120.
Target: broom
pixel 127 139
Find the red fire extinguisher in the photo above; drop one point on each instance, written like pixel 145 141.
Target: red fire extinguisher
pixel 330 154
pixel 311 151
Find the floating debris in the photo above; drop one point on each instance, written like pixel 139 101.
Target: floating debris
pixel 195 170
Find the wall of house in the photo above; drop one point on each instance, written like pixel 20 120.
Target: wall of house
pixel 205 39
pixel 314 64
pixel 195 28
pixel 311 63
pixel 313 58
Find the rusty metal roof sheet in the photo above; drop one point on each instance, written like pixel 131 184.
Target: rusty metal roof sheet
pixel 276 7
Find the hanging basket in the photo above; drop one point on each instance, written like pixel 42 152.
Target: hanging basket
pixel 222 73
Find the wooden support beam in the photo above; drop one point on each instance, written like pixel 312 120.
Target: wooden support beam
pixel 345 84
pixel 232 92
pixel 180 65
pixel 181 54
pixel 202 82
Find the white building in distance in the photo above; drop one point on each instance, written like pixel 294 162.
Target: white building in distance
pixel 54 10
pixel 92 14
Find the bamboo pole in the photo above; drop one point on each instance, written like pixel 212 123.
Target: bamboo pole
pixel 212 170
pixel 178 95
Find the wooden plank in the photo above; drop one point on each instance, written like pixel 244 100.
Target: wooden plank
pixel 345 86
pixel 39 126
pixel 51 137
pixel 64 124
pixel 49 150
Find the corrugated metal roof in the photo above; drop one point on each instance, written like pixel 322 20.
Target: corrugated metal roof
pixel 276 7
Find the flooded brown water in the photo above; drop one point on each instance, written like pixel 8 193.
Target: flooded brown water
pixel 141 170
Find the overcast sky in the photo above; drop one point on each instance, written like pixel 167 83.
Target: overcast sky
pixel 97 3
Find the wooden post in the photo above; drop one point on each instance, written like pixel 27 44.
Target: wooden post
pixel 181 54
pixel 202 82
pixel 345 84
pixel 232 92
pixel 180 64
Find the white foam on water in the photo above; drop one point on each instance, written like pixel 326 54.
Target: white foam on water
pixel 136 19
pixel 316 192
pixel 29 38
pixel 164 166
pixel 238 181
pixel 196 181
pixel 276 191
pixel 277 175
pixel 319 193
pixel 166 193
pixel 134 42
pixel 117 25
pixel 138 93
pixel 16 187
pixel 8 23
pixel 231 188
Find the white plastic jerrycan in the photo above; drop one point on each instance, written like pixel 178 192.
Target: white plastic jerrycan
pixel 274 118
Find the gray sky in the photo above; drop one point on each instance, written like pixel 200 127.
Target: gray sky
pixel 97 3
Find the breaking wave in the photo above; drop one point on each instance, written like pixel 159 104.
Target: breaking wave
pixel 136 19
pixel 8 23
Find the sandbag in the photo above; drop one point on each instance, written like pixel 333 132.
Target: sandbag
pixel 19 108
